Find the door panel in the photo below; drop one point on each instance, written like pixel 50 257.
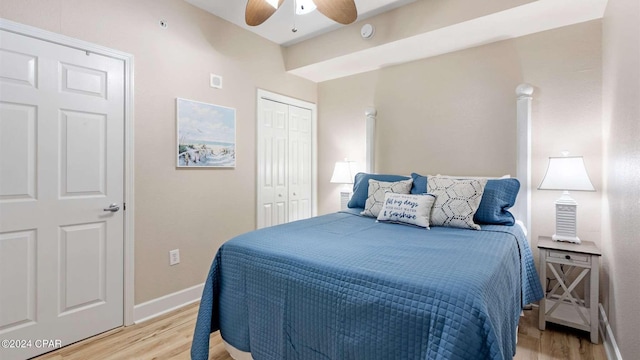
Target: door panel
pixel 18 68
pixel 272 163
pixel 300 163
pixel 84 81
pixel 265 215
pixel 82 153
pixel 17 152
pixel 82 278
pixel 17 272
pixel 61 163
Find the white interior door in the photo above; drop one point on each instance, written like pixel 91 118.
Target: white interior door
pixel 61 164
pixel 299 163
pixel 272 163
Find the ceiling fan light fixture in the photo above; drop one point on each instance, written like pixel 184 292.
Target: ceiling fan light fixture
pixel 340 11
pixel 304 6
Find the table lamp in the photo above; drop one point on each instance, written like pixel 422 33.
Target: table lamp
pixel 343 173
pixel 566 173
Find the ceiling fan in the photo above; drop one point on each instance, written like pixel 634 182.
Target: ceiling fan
pixel 341 11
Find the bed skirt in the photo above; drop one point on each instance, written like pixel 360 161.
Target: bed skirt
pixel 243 355
pixel 235 353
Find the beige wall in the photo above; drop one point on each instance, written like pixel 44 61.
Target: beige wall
pixel 621 203
pixel 193 210
pixel 455 114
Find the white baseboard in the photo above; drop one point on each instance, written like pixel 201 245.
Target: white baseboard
pixel 164 304
pixel 609 342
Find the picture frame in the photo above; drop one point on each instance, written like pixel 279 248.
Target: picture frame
pixel 206 135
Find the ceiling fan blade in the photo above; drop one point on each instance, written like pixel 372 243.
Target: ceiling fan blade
pixel 342 11
pixel 258 11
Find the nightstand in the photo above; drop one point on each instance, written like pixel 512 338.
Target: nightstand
pixel 574 263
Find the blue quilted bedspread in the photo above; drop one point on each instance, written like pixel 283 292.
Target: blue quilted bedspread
pixel 341 286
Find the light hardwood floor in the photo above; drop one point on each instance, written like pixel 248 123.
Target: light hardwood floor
pixel 169 337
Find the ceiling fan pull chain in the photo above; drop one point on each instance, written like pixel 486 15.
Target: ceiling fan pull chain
pixel 295 9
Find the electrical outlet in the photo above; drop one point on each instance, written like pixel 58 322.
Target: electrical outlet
pixel 174 257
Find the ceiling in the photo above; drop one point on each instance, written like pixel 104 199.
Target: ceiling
pixel 531 18
pixel 278 27
pixel 528 18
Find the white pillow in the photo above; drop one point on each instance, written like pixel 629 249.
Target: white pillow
pixel 407 209
pixel 377 191
pixel 457 200
pixel 507 176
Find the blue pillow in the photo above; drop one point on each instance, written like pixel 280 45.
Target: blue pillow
pixel 419 184
pixel 361 187
pixel 499 195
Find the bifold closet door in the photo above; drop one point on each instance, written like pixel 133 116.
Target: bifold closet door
pixel 284 163
pixel 273 149
pixel 299 163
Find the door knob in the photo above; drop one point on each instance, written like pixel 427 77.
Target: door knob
pixel 112 208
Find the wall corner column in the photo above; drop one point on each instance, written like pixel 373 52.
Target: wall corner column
pixel 371 114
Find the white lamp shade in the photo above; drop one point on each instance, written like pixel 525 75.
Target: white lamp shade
pixel 566 173
pixel 344 172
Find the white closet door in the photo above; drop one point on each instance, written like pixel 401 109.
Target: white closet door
pixel 61 164
pixel 299 163
pixel 272 163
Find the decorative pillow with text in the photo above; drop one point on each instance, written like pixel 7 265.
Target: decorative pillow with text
pixel 407 209
pixel 377 191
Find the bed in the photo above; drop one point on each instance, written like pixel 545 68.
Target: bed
pixel 346 286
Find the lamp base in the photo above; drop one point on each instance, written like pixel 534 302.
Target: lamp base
pixel 571 239
pixel 566 209
pixel 345 196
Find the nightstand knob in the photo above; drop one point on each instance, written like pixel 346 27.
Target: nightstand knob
pixel 568 257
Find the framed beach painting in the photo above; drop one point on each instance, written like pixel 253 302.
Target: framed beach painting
pixel 206 135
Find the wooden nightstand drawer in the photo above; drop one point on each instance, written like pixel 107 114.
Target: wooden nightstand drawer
pixel 554 255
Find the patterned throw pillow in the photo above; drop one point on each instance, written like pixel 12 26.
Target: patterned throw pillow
pixel 361 187
pixel 377 190
pixel 457 200
pixel 407 209
pixel 498 197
